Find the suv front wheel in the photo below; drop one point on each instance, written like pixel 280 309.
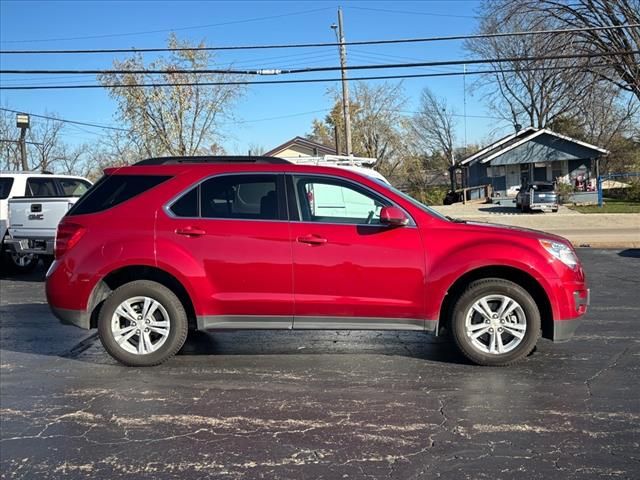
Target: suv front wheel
pixel 495 322
pixel 142 323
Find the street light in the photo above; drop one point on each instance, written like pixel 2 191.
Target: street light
pixel 22 122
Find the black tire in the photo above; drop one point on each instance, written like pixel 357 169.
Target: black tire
pixel 495 286
pixel 178 323
pixel 18 267
pixel 555 210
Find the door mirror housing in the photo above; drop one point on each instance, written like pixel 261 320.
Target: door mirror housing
pixel 393 216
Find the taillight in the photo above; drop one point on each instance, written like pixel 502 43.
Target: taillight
pixel 67 236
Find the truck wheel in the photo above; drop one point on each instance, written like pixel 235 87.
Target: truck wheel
pixel 21 262
pixel 495 322
pixel 142 323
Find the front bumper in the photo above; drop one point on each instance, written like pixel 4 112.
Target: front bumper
pixel 563 330
pixel 38 246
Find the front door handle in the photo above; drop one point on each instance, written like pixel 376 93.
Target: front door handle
pixel 190 232
pixel 312 240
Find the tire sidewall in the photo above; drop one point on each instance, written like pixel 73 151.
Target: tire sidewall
pixel 482 288
pixel 177 318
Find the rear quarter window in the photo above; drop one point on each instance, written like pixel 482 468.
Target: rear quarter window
pixel 112 190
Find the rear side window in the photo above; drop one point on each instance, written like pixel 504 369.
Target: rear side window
pixel 252 197
pixel 41 187
pixel 112 190
pixel 5 187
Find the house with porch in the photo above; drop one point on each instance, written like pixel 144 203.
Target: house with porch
pixel 533 154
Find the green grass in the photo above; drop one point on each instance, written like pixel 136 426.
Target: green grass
pixel 611 205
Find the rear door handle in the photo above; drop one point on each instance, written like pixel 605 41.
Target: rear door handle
pixel 312 240
pixel 190 231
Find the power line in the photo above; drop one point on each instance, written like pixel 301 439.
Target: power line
pixel 302 81
pixel 264 71
pixel 165 30
pixel 47 117
pixel 427 14
pixel 317 45
pixel 7 140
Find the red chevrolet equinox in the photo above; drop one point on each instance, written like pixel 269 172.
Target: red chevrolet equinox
pixel 169 245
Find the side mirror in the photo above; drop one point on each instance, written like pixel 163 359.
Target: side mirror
pixel 393 216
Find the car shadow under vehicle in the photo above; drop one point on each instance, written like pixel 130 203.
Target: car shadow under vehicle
pixel 416 345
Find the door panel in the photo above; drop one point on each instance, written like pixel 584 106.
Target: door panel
pixel 366 271
pixel 242 267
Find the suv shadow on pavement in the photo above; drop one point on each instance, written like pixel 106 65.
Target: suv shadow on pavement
pixel 415 345
pixel 630 253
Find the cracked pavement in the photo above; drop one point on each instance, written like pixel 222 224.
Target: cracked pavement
pixel 323 405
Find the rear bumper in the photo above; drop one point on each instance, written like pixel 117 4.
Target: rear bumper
pixel 544 207
pixel 77 318
pixel 38 246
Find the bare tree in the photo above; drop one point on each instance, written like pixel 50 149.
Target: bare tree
pixel 625 68
pixel 47 147
pixel 174 120
pixel 529 92
pixel 377 124
pixel 433 127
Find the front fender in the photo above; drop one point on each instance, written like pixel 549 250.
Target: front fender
pixel 456 261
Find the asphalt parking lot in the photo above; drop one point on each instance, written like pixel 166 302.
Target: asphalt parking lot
pixel 323 405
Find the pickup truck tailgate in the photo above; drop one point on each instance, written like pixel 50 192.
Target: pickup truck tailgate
pixel 37 217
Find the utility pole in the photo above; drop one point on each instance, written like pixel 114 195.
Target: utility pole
pixel 345 83
pixel 22 122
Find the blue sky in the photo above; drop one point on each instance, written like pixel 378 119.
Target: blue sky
pixel 266 115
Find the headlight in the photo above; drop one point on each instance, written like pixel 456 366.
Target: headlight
pixel 561 251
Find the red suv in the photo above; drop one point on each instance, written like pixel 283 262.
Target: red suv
pixel 172 244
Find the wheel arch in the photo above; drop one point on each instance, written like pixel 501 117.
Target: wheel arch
pixel 515 275
pixel 130 273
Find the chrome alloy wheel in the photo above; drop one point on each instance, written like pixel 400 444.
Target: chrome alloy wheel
pixel 140 325
pixel 495 324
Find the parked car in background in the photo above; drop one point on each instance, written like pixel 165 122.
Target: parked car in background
pixel 172 244
pixel 31 205
pixel 541 196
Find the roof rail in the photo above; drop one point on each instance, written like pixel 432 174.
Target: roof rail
pixel 211 159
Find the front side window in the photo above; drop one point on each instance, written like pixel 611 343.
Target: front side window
pixel 73 187
pixel 329 200
pixel 250 197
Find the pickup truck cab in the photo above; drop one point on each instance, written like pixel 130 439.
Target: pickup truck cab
pixel 172 244
pixel 540 196
pixel 31 205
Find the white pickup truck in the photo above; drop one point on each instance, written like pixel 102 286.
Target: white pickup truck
pixel 31 206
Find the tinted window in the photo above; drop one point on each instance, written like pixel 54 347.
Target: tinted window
pixel 187 205
pixel 41 187
pixel 112 190
pixel 5 187
pixel 544 188
pixel 73 187
pixel 240 196
pixel 333 201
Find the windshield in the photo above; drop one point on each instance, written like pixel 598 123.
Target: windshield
pixel 413 201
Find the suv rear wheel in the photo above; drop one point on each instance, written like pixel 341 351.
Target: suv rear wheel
pixel 142 323
pixel 495 322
